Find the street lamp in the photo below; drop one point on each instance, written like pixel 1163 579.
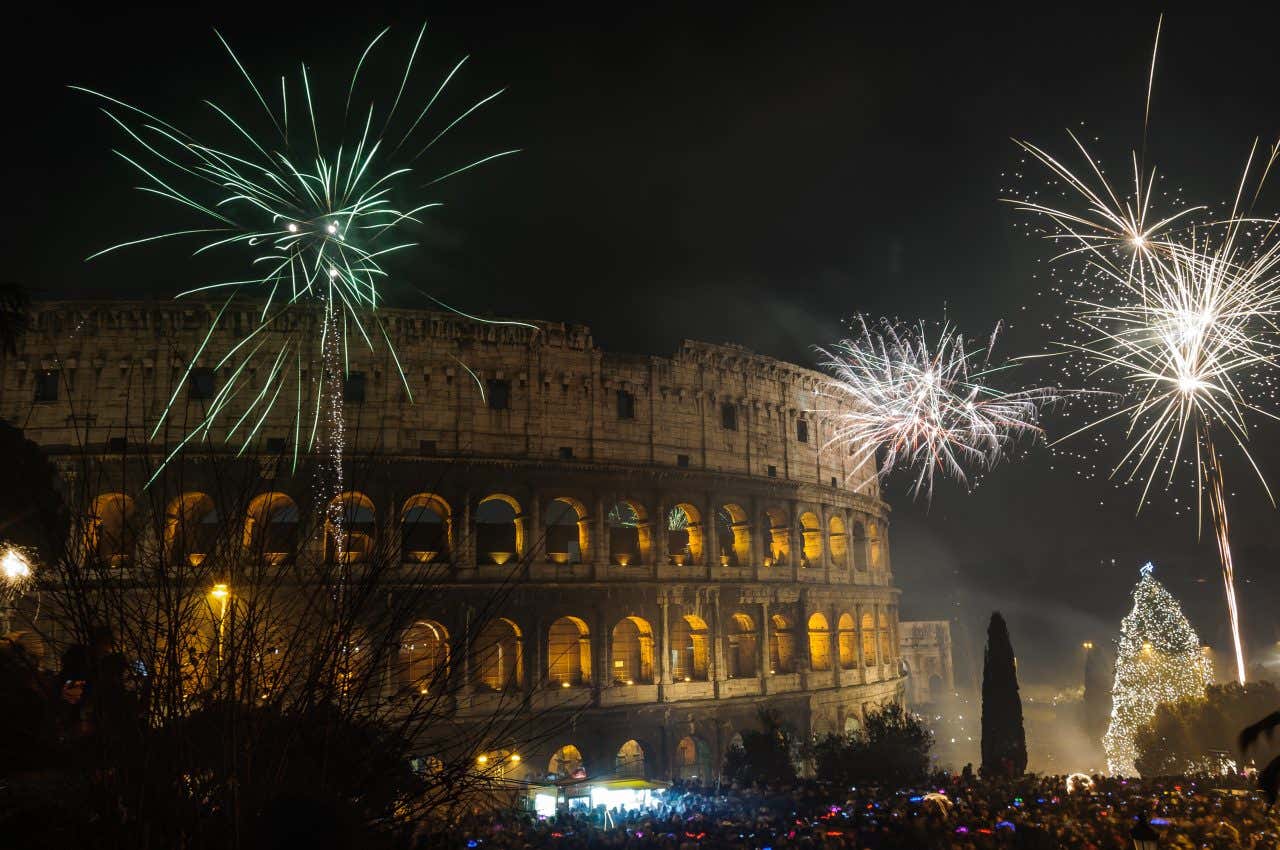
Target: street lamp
pixel 1088 645
pixel 1144 837
pixel 221 592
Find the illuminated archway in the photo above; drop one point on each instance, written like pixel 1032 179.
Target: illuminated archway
pixel 690 649
pixel 497 661
pixel 812 531
pixel 741 650
pixel 868 629
pixel 566 763
pixel 819 642
pixel 271 526
pixel 782 646
pixel 693 758
pixel 630 534
pixel 875 552
pixel 500 533
pixel 838 541
pixel 631 662
pixel 684 534
pixel 422 664
pixel 111 530
pixel 426 528
pixel 568 653
pixel 886 645
pixel 859 547
pixel 350 526
pixel 190 527
pixel 778 543
pixel 629 762
pixel 734 533
pixel 568 531
pixel 847 634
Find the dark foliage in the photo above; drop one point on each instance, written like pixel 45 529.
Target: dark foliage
pixel 15 314
pixel 1004 742
pixel 765 757
pixel 892 748
pixel 1194 734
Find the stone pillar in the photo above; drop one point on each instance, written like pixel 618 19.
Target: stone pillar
pixel 833 633
pixel 803 661
pixel 465 687
pixel 711 532
pixel 663 653
pixel 716 658
pixel 795 533
pixel 601 653
pixel 535 531
pixel 660 538
pixel 535 650
pixel 824 535
pixel 857 621
pixel 600 537
pixel 762 647
pixel 466 535
pixel 875 630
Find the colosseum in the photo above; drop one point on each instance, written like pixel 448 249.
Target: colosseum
pixel 687 552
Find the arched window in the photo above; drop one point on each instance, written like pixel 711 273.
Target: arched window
pixel 190 528
pixel 838 541
pixel 868 629
pixel 778 541
pixel 741 650
pixel 875 552
pixel 629 534
pixel 496 656
pixel 568 653
pixel 499 529
pixel 782 648
pixel 886 645
pixel 859 547
pixel 567 763
pixel 425 528
pixel 689 649
pixel 423 661
pixel 568 531
pixel 112 529
pixel 684 535
pixel 350 527
pixel 819 643
pixel 271 527
pixel 847 631
pixel 734 534
pixel 812 531
pixel 629 762
pixel 693 758
pixel 632 659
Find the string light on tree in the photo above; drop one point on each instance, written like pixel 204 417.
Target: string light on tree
pixel 1159 660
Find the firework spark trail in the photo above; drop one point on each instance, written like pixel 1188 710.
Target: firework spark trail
pixel 1181 323
pixel 925 405
pixel 314 218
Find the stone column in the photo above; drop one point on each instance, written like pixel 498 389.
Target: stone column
pixel 795 533
pixel 716 658
pixel 762 647
pixel 833 632
pixel 600 537
pixel 535 531
pixel 663 659
pixel 661 543
pixel 601 653
pixel 535 650
pixel 862 665
pixel 824 534
pixel 711 532
pixel 466 535
pixel 875 630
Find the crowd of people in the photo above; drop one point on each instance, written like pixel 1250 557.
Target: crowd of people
pixel 952 813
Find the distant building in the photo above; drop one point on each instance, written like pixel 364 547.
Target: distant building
pixel 925 647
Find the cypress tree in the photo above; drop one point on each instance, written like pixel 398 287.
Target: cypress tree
pixel 1004 743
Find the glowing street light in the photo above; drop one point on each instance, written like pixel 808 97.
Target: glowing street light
pixel 15 575
pixel 1088 645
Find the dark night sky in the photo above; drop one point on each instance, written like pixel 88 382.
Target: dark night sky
pixel 728 175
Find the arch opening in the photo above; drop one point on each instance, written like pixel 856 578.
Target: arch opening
pixel 847 638
pixel 568 531
pixel 819 643
pixel 630 534
pixel 631 662
pixel 271 526
pixel 629 761
pixel 741 647
pixel 191 528
pixel 684 535
pixel 733 532
pixel 811 530
pixel 868 629
pixel 782 648
pixel 422 665
pixel 350 527
pixel 778 541
pixel 499 529
pixel 566 763
pixel 426 529
pixel 690 649
pixel 568 653
pixel 111 529
pixel 497 661
pixel 838 542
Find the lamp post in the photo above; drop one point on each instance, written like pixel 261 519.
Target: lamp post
pixel 221 593
pixel 1144 836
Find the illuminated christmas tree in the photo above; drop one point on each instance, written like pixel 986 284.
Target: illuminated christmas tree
pixel 1159 660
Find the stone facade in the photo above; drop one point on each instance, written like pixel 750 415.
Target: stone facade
pixel 686 550
pixel 926 655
